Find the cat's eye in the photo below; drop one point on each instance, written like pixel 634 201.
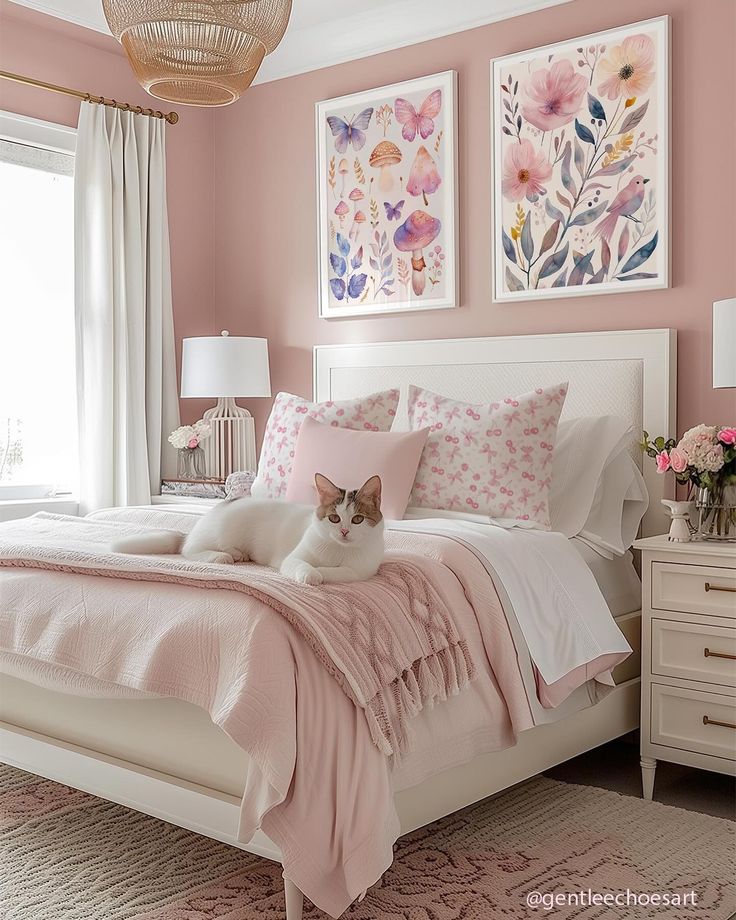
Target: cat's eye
pixel 335 518
pixel 358 519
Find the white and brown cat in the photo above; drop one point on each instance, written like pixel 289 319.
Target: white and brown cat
pixel 338 541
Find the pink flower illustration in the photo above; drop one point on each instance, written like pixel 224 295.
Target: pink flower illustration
pixel 628 69
pixel 524 172
pixel 727 435
pixel 554 96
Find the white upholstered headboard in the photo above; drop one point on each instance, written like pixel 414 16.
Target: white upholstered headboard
pixel 632 374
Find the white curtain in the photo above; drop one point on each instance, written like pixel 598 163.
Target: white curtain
pixel 126 371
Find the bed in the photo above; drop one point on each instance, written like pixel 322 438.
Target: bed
pixel 166 758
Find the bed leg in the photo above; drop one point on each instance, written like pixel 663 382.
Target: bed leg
pixel 294 900
pixel 648 766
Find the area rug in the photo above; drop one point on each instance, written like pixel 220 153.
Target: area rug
pixel 68 856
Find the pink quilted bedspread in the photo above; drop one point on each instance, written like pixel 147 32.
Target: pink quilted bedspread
pixel 318 786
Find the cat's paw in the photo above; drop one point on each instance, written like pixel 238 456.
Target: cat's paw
pixel 211 556
pixel 308 575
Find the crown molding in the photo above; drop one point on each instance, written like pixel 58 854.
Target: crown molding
pixel 343 38
pixel 88 16
pixel 349 38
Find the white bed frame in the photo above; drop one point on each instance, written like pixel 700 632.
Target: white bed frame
pixel 629 373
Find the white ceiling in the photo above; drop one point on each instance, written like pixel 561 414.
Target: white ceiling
pixel 326 32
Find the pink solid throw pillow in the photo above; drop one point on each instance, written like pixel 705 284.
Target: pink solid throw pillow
pixel 367 413
pixel 493 460
pixel 348 458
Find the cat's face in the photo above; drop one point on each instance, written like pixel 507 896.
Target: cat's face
pixel 348 517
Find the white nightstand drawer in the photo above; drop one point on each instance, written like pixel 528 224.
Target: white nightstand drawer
pixel 694 588
pixel 685 719
pixel 694 652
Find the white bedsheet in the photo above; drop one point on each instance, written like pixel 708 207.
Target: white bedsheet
pixel 616 577
pixel 555 600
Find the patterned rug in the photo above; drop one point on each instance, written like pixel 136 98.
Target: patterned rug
pixel 68 856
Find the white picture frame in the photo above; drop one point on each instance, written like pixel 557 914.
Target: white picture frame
pixel 653 166
pixel 343 170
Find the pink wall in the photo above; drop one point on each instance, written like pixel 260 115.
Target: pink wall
pixel 54 51
pixel 265 252
pixel 242 202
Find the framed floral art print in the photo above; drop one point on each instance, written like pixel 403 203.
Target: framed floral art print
pixel 580 165
pixel 386 178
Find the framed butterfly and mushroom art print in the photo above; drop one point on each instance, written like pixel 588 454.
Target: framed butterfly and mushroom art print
pixel 580 165
pixel 387 203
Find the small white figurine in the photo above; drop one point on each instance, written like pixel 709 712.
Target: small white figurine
pixel 679 512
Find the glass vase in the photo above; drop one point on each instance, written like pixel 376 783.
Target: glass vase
pixel 717 513
pixel 190 463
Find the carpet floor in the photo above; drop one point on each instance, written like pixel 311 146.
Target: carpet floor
pixel 68 856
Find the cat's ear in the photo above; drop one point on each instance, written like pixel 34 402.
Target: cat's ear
pixel 329 494
pixel 370 492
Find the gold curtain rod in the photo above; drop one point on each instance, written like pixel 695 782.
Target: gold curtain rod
pixel 171 117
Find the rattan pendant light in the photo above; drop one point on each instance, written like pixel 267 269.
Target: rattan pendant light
pixel 194 52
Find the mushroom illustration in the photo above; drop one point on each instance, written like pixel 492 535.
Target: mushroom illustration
pixel 343 169
pixel 418 230
pixel 341 209
pixel 423 179
pixel 355 196
pixel 385 155
pixel 357 221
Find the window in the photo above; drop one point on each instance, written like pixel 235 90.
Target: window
pixel 38 418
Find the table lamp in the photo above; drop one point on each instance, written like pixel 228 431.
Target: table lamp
pixel 724 343
pixel 224 367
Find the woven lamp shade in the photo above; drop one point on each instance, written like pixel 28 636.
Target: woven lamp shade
pixel 195 52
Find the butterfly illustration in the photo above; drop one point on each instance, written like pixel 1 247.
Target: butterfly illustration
pixel 349 132
pixel 394 213
pixel 421 121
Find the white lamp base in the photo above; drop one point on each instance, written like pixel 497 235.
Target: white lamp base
pixel 231 445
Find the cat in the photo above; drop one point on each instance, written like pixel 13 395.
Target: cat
pixel 340 540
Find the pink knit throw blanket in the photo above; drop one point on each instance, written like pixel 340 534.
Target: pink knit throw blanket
pixel 391 642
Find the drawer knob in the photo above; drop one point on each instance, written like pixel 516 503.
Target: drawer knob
pixel 707 721
pixel 710 654
pixel 710 587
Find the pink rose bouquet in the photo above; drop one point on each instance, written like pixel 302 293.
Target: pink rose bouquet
pixel 704 459
pixel 704 456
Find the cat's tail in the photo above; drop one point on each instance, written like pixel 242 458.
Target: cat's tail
pixel 160 542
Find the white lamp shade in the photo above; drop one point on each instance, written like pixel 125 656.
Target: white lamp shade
pixel 224 365
pixel 724 343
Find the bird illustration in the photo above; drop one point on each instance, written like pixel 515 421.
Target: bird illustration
pixel 625 204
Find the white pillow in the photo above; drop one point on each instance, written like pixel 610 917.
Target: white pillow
pixel 596 486
pixel 621 501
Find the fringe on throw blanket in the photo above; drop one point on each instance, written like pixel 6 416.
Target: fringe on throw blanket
pixel 428 681
pixel 431 678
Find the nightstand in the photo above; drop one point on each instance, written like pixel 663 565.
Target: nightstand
pixel 688 646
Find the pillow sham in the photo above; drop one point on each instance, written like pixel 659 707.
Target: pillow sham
pixel 348 458
pixel 368 413
pixel 493 460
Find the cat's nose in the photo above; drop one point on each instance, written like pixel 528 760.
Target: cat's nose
pixel 344 532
